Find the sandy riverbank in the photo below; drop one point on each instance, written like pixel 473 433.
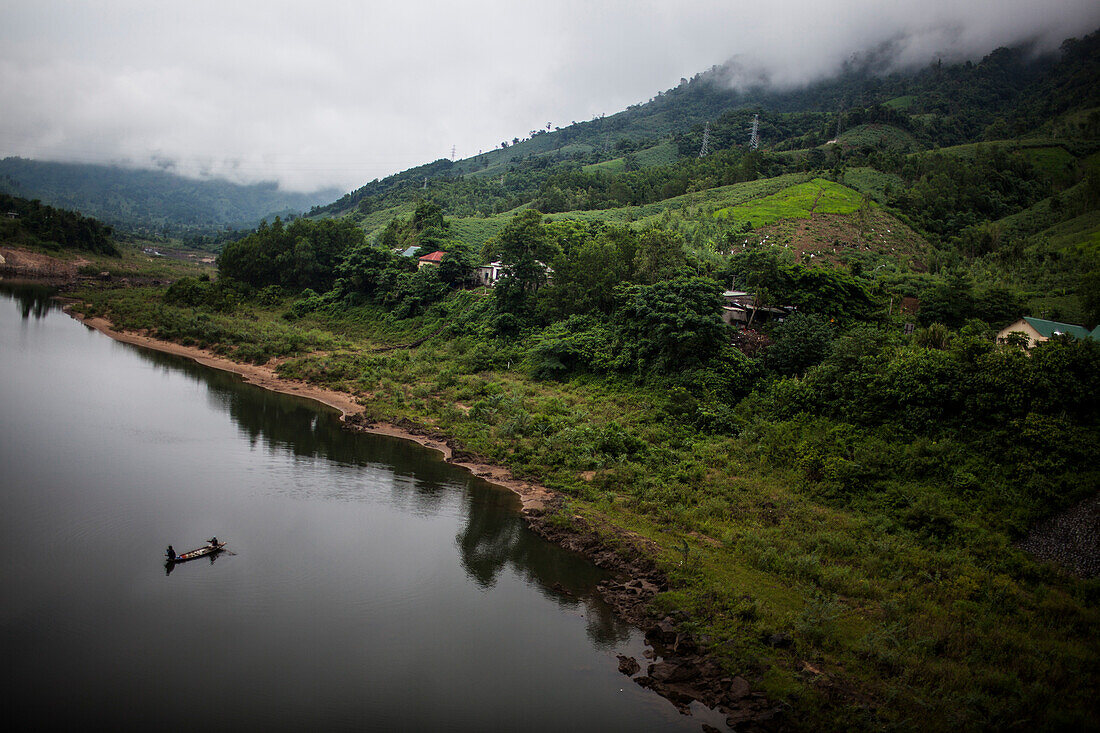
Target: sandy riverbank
pixel 682 671
pixel 533 496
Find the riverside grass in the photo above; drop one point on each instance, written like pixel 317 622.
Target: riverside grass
pixel 900 631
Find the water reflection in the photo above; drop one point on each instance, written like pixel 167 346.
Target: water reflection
pixel 30 298
pixel 494 537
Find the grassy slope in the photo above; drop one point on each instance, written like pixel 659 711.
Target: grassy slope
pixel 901 103
pixel 1054 159
pixel 902 631
pixel 662 154
pixel 872 182
pixel 476 231
pixel 886 137
pixel 796 202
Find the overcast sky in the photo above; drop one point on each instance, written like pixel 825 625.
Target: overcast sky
pixel 337 93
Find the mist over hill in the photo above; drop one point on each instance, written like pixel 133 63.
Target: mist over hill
pixel 771 335
pixel 152 202
pixel 1011 92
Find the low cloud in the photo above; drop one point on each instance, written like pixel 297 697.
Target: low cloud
pixel 338 93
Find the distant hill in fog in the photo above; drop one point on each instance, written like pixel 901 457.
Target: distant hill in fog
pixel 152 202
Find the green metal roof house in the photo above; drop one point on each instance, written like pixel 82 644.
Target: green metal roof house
pixel 1039 330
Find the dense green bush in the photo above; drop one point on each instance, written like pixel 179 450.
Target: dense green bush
pixel 303 254
pixel 45 226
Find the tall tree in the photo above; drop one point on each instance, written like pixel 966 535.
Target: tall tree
pixel 525 247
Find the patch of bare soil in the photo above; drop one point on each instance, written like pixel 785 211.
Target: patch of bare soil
pixel 35 265
pixel 829 237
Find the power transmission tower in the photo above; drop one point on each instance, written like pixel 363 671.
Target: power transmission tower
pixel 425 182
pixel 705 148
pixel 452 153
pixel 754 140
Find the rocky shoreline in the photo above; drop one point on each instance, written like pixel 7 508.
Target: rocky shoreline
pixel 677 666
pixel 681 670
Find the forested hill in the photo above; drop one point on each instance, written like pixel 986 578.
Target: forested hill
pixel 149 202
pixel 778 368
pixel 1009 93
pixel 29 223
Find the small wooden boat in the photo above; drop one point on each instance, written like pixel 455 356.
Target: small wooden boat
pixel 203 551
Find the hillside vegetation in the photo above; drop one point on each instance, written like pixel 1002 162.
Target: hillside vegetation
pixel 30 224
pixel 152 203
pixel 838 490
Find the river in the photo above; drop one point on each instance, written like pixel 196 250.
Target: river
pixel 370 586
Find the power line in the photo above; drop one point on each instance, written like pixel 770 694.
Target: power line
pixel 705 149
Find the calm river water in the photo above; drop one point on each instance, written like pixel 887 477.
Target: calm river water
pixel 372 586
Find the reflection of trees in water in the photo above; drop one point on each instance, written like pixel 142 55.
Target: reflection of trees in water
pixel 306 429
pixel 30 299
pixel 494 536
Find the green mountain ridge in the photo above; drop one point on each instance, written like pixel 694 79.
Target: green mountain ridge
pixel 845 477
pixel 151 202
pixel 955 155
pixel 943 105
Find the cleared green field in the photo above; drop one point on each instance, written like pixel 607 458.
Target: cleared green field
pixel 377 220
pixel 796 202
pixel 1080 236
pixel 663 154
pixel 872 182
pixel 1051 162
pixel 969 150
pixel 1049 157
pixel 884 137
pixel 723 196
pixel 902 103
pixel 475 232
pixel 615 165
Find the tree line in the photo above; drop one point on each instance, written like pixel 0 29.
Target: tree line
pixel 33 223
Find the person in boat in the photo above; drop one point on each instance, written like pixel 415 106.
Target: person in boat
pixel 213 541
pixel 171 553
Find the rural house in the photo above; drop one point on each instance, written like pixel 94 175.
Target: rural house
pixel 1038 330
pixel 490 273
pixel 431 260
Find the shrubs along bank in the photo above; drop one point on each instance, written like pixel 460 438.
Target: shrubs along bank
pixel 842 497
pixel 31 224
pixel 837 501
